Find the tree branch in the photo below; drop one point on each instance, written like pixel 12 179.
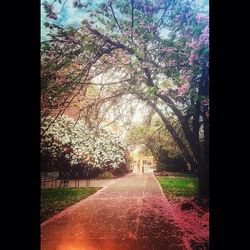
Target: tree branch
pixel 175 136
pixel 132 20
pixel 112 10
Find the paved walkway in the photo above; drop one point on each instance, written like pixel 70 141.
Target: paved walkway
pixel 130 213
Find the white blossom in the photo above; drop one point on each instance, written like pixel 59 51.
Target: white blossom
pixel 87 147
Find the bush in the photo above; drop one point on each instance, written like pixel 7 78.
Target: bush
pixel 121 170
pixel 106 175
pixel 176 164
pixel 161 167
pixel 161 173
pixel 48 163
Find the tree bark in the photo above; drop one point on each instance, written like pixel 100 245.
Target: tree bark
pixel 203 177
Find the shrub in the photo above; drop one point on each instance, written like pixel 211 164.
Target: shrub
pixel 106 175
pixel 176 164
pixel 121 170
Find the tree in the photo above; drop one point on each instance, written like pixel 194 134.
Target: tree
pixel 160 50
pixel 89 148
pixel 153 137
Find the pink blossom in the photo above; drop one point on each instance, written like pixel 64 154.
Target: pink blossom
pixel 204 37
pixel 188 15
pixel 163 92
pixel 183 89
pixel 70 39
pixel 207 114
pixel 171 62
pixel 127 62
pixel 62 79
pixel 126 33
pixel 78 62
pixel 154 6
pixel 112 59
pixel 51 6
pixel 151 27
pixel 52 15
pixel 145 65
pixel 184 78
pixel 150 9
pixel 178 18
pixel 205 102
pixel 201 17
pixel 192 58
pixel 193 223
pixel 194 44
pixel 130 32
pixel 164 50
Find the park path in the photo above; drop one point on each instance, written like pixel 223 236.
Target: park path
pixel 130 213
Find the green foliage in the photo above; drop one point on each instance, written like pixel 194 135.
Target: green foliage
pixel 155 138
pixel 106 175
pixel 161 167
pixel 54 200
pixel 151 91
pixel 193 95
pixel 203 51
pixel 172 164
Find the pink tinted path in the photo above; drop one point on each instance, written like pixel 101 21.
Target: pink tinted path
pixel 131 213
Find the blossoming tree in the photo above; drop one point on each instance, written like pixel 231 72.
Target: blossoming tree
pixel 88 148
pixel 160 49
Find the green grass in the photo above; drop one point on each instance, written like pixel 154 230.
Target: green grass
pixel 54 200
pixel 179 185
pixel 178 174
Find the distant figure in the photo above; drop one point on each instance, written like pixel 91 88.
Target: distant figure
pixel 138 167
pixel 132 168
pixel 66 179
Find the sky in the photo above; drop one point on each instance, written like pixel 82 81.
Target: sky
pixel 72 16
pixel 68 16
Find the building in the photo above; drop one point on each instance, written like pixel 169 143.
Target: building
pixel 142 164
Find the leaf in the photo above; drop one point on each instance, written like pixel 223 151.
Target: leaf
pixel 151 90
pixel 195 97
pixel 203 51
pixel 85 21
pixel 165 83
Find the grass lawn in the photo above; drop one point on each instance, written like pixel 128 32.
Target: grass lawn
pixel 54 200
pixel 179 184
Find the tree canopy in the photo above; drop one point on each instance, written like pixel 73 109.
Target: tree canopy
pixel 154 51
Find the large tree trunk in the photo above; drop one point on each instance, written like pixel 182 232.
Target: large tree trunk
pixel 203 168
pixel 200 162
